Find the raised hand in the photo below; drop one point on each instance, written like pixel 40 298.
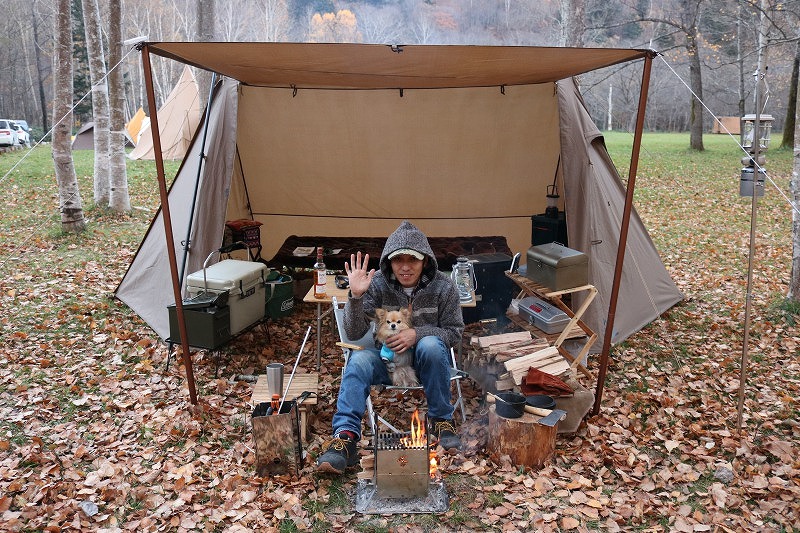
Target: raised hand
pixel 358 275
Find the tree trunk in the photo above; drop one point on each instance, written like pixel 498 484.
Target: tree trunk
pixel 696 82
pixel 794 191
pixel 97 71
pixel 791 106
pixel 205 32
pixel 119 200
pixel 41 70
pixel 573 24
pixel 69 196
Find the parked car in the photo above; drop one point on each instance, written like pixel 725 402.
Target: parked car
pixel 8 133
pixel 22 135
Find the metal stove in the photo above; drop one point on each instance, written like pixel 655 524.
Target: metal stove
pixel 404 478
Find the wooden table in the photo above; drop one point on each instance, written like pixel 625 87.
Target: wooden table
pixel 331 291
pixel 300 384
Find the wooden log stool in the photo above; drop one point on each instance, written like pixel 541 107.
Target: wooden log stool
pixel 524 439
pixel 300 384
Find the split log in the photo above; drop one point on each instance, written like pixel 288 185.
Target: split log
pixel 485 342
pixel 547 360
pixel 524 439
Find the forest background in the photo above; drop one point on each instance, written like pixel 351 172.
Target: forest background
pixel 711 45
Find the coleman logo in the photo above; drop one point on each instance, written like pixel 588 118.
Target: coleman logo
pixel 286 305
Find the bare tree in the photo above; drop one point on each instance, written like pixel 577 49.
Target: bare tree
pixel 69 196
pixel 100 113
pixel 794 192
pixel 573 22
pixel 205 32
pixel 119 199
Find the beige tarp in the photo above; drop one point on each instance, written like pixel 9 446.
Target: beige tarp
pixel 177 121
pixel 460 140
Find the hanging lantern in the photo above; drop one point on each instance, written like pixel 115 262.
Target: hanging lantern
pixel 753 176
pixel 552 202
pixel 463 276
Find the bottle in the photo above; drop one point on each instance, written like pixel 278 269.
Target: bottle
pixel 320 276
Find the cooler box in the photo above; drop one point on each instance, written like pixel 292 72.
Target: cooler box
pixel 543 315
pixel 557 267
pixel 244 283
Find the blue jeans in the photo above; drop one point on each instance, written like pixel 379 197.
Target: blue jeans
pixel 366 368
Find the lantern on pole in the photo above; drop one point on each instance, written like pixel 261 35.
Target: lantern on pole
pixel 755 139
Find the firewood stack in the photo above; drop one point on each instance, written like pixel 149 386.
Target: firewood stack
pixel 499 362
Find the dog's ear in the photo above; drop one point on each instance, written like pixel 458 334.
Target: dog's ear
pixel 380 314
pixel 406 314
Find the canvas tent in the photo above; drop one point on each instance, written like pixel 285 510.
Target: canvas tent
pixel 84 139
pixel 134 125
pixel 178 118
pixel 348 140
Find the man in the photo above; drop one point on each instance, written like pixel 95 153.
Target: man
pixel 408 278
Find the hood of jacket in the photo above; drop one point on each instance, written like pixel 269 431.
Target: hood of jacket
pixel 407 235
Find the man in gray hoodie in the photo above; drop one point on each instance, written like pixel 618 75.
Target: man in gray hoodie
pixel 408 278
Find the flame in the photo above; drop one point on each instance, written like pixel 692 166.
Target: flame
pixel 418 436
pixel 418 439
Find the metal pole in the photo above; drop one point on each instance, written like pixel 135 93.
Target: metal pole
pixel 165 214
pixel 623 232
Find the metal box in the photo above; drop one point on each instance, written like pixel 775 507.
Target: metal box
pixel 543 315
pixel 207 328
pixel 243 281
pixel 557 267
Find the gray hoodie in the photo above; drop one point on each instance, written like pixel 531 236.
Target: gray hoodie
pixel 434 303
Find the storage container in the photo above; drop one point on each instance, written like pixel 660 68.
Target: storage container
pixel 493 290
pixel 208 327
pixel 244 282
pixel 280 296
pixel 557 267
pixel 543 315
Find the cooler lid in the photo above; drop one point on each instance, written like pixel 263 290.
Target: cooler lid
pixel 228 273
pixel 556 255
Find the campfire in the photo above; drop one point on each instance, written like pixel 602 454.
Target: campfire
pixel 402 475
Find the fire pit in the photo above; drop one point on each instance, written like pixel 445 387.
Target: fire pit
pixel 404 476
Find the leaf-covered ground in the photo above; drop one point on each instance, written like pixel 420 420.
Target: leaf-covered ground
pixel 97 431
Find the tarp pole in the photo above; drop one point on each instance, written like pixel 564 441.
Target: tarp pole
pixel 165 214
pixel 187 243
pixel 623 232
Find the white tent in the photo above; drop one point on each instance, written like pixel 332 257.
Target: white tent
pixel 177 118
pixel 347 140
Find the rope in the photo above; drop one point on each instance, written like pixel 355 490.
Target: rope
pixel 759 168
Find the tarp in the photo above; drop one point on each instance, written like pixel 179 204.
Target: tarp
pixel 177 121
pixel 302 147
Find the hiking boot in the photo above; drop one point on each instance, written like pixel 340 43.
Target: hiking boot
pixel 339 453
pixel 445 432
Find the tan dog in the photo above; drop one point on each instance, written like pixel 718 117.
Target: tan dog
pixel 387 323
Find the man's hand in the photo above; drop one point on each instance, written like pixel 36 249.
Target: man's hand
pixel 358 275
pixel 402 340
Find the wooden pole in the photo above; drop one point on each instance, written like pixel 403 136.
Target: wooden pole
pixel 165 214
pixel 623 232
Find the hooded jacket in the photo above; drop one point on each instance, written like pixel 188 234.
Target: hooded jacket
pixel 434 302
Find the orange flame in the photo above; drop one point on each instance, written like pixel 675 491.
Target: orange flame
pixel 418 439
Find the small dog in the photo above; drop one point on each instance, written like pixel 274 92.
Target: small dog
pixel 388 323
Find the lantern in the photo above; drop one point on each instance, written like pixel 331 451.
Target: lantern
pixel 463 276
pixel 756 143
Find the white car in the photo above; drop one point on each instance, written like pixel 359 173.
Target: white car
pixel 22 135
pixel 8 133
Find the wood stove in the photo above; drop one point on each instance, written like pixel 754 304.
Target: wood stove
pixel 402 474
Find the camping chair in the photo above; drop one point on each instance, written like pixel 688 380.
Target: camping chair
pixel 368 341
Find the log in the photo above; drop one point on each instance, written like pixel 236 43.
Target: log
pixel 489 340
pixel 547 360
pixel 524 440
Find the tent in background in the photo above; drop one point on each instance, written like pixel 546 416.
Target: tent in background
pixel 177 121
pixel 84 139
pixel 135 124
pixel 347 140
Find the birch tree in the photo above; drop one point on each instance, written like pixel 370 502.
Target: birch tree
pixel 69 196
pixel 100 112
pixel 794 194
pixel 573 22
pixel 119 199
